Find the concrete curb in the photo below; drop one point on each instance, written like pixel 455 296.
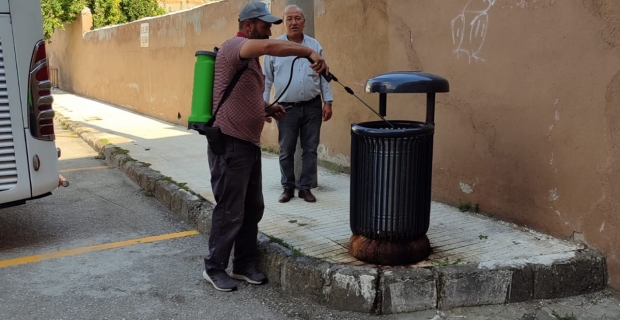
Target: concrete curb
pixel 380 290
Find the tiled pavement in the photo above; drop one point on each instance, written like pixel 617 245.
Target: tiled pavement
pixel 318 229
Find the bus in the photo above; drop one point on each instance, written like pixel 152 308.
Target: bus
pixel 28 153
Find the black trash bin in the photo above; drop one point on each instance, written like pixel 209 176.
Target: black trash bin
pixel 391 173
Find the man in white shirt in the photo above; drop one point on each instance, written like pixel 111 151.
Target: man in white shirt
pixel 305 118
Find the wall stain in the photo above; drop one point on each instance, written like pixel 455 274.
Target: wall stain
pixel 406 38
pixel 611 168
pixel 530 4
pixel 607 12
pixel 379 6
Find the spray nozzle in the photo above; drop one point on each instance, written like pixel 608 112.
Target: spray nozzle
pixel 327 75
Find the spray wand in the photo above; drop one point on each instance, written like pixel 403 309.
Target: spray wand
pixel 328 76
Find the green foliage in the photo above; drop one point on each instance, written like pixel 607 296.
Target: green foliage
pixel 105 12
pixel 467 206
pixel 110 12
pixel 565 317
pixel 56 13
pixel 138 9
pixel 296 252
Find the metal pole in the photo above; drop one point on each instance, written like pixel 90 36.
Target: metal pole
pixel 307 6
pixel 383 104
pixel 430 108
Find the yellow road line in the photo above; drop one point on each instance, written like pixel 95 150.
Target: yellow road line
pixel 87 168
pixel 99 247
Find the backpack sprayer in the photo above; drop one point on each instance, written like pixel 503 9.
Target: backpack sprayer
pixel 202 93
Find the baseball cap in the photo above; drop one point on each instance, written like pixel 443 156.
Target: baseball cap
pixel 258 10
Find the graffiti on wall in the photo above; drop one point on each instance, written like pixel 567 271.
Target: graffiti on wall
pixel 469 29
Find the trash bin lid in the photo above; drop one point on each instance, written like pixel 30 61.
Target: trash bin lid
pixel 407 82
pixel 403 129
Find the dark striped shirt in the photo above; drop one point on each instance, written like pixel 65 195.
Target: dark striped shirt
pixel 243 114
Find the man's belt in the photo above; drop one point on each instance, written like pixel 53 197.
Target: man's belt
pixel 313 100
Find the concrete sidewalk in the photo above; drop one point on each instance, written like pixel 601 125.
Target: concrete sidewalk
pixel 475 260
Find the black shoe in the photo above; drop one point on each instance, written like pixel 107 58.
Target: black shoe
pixel 249 274
pixel 220 280
pixel 287 195
pixel 307 195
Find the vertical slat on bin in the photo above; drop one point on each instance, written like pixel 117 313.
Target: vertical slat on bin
pixel 363 146
pixel 354 190
pixel 386 189
pixel 413 200
pixel 369 177
pixel 373 202
pixel 406 186
pixel 394 188
pixel 379 185
pixel 386 186
pixel 381 190
pixel 363 204
pixel 370 164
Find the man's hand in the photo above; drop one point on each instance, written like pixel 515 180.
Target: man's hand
pixel 277 111
pixel 327 111
pixel 319 64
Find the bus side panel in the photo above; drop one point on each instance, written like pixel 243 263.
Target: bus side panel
pixel 14 163
pixel 46 178
pixel 27 31
pixel 4 6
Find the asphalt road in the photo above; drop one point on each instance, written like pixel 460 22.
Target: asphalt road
pixel 53 264
pixel 156 280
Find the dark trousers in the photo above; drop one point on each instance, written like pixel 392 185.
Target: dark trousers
pixel 238 188
pixel 303 121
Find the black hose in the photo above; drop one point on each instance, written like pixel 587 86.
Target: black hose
pixel 285 88
pixel 328 77
pixel 350 91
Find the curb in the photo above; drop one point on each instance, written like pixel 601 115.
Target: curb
pixel 379 290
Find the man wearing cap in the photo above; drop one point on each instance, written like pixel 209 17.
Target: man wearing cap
pixel 236 177
pixel 305 118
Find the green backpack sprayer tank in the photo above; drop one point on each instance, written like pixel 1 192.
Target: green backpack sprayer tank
pixel 201 118
pixel 202 93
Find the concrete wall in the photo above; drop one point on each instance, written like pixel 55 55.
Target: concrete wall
pixel 530 130
pixel 176 5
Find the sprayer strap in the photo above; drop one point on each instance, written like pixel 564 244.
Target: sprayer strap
pixel 230 88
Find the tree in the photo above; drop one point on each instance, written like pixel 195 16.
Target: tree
pixel 138 9
pixel 109 12
pixel 56 13
pixel 105 12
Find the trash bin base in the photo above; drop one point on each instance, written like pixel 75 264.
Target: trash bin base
pixel 388 252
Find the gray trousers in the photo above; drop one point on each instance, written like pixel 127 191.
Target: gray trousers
pixel 303 122
pixel 237 184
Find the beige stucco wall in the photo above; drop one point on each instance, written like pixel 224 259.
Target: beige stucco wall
pixel 176 5
pixel 530 129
